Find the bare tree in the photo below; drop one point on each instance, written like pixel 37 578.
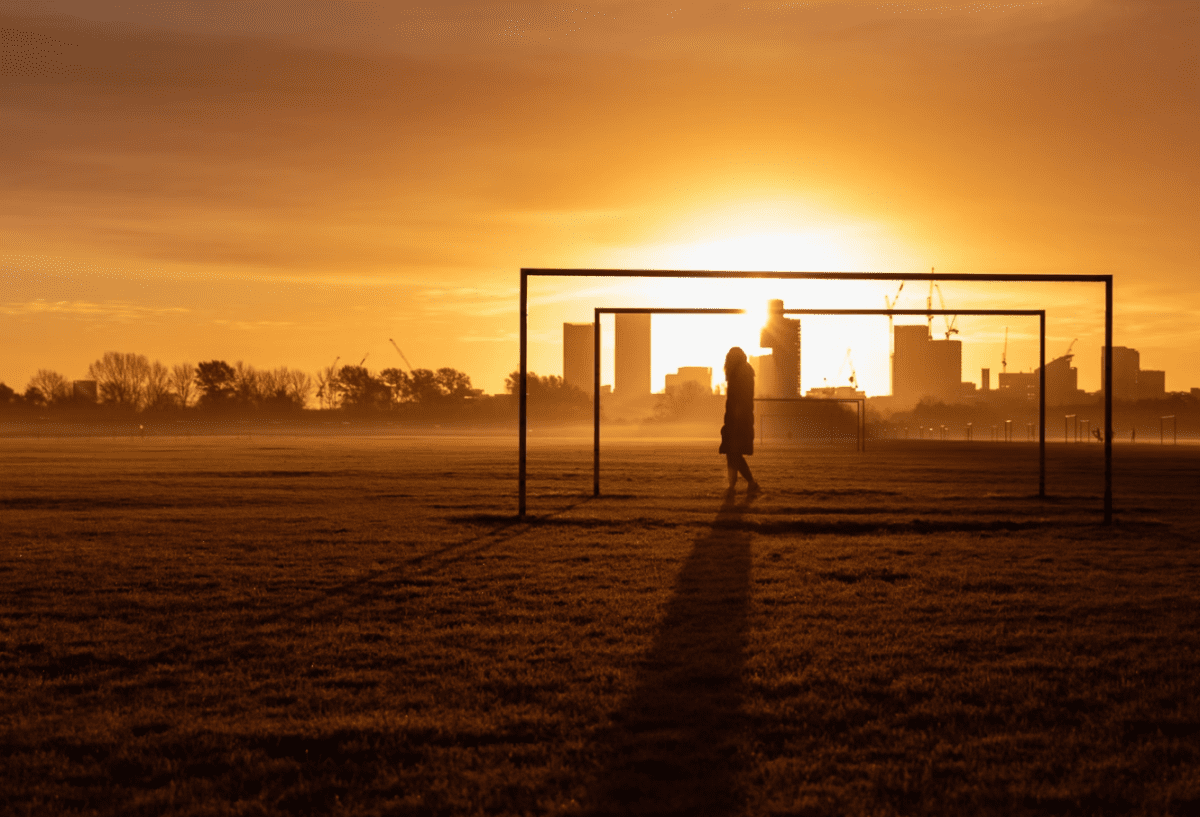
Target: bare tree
pixel 247 384
pixel 298 385
pixel 271 386
pixel 158 387
pixel 283 388
pixel 183 383
pixel 399 382
pixel 328 388
pixel 52 386
pixel 121 378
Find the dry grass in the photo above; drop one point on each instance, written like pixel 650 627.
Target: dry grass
pixel 233 626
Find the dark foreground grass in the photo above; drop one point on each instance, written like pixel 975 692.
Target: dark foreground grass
pixel 362 627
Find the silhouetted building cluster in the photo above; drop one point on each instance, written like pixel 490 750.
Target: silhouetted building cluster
pixel 632 356
pixel 838 392
pixel 1130 380
pixel 1062 382
pixel 925 367
pixel 922 367
pixel 700 375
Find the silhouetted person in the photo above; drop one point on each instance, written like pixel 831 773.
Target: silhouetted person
pixel 737 435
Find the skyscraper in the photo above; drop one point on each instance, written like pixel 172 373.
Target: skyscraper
pixel 1126 363
pixel 579 356
pixel 1130 380
pixel 633 355
pixel 782 336
pixel 924 367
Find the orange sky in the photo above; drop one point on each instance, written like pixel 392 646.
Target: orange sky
pixel 287 182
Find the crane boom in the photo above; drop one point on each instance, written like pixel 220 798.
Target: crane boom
pixel 891 304
pixel 929 305
pixel 853 374
pixel 402 357
pixel 1004 354
pixel 950 321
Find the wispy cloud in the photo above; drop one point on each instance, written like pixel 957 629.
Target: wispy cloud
pixel 85 310
pixel 252 326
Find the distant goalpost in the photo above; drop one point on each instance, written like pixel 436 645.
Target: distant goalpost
pixel 833 276
pixel 1040 314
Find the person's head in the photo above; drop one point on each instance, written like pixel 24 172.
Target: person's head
pixel 734 358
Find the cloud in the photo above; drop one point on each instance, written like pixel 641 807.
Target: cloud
pixel 109 310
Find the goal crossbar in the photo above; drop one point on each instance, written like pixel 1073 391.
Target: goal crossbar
pixel 1107 280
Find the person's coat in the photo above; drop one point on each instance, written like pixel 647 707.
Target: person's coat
pixel 737 435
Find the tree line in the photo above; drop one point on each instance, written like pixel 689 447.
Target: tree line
pixel 133 383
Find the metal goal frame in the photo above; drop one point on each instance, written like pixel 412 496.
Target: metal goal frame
pixel 526 273
pixel 1040 314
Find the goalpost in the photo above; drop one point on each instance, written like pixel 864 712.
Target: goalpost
pixel 1040 314
pixel 1107 280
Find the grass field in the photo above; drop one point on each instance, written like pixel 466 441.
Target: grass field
pixel 360 626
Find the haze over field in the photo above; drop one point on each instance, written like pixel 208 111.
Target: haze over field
pixel 285 182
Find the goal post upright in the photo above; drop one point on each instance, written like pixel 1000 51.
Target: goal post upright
pixel 1107 280
pixel 523 395
pixel 1042 403
pixel 596 405
pixel 1108 398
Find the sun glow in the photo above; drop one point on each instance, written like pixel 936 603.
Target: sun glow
pixel 766 235
pixel 769 251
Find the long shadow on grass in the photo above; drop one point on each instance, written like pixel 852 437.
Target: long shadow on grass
pixel 674 746
pixel 325 603
pixel 504 529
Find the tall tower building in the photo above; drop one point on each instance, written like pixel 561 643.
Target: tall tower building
pixel 633 355
pixel 1126 364
pixel 579 356
pixel 924 367
pixel 782 336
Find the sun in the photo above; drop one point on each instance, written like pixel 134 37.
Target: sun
pixel 768 235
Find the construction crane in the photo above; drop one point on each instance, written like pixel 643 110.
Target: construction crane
pixel 1004 354
pixel 891 304
pixel 853 374
pixel 929 305
pixel 892 338
pixel 950 328
pixel 1069 348
pixel 402 357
